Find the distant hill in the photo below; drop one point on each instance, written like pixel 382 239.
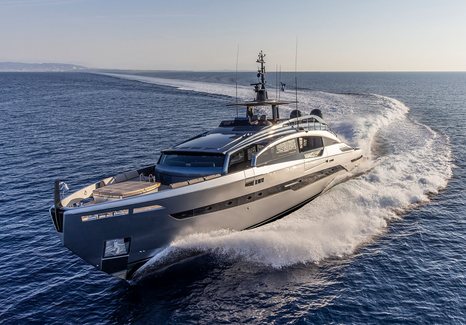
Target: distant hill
pixel 39 67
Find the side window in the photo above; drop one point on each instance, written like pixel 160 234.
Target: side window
pixel 278 153
pixel 237 158
pixel 286 148
pixel 242 159
pixel 311 146
pixel 329 142
pixel 251 152
pixel 260 146
pixel 310 143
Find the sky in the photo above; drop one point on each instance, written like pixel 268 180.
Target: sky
pixel 205 35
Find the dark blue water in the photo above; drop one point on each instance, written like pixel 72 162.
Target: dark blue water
pixel 388 246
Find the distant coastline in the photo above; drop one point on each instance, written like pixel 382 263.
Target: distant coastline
pixel 67 67
pixel 39 67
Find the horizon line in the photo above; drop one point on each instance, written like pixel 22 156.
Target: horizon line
pixel 82 68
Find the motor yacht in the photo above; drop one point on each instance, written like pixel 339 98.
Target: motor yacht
pixel 249 171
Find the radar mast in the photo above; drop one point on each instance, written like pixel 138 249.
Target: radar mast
pixel 262 98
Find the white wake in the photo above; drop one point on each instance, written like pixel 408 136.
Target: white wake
pixel 409 162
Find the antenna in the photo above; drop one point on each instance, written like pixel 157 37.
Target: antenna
pixel 296 77
pixel 276 81
pixel 236 79
pixel 296 73
pixel 280 79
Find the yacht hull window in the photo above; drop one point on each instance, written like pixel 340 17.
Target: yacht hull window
pixel 329 142
pixel 310 143
pixel 283 151
pixel 241 160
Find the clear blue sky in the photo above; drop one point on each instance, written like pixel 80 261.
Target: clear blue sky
pixel 344 35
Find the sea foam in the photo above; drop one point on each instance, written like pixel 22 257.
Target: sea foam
pixel 407 162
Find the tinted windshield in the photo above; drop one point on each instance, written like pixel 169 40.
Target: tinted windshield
pixel 194 159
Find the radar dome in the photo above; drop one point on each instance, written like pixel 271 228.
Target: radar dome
pixel 295 113
pixel 316 112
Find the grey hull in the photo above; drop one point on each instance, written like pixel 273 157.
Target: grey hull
pixel 238 201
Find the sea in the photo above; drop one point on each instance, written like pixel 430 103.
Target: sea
pixel 386 246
